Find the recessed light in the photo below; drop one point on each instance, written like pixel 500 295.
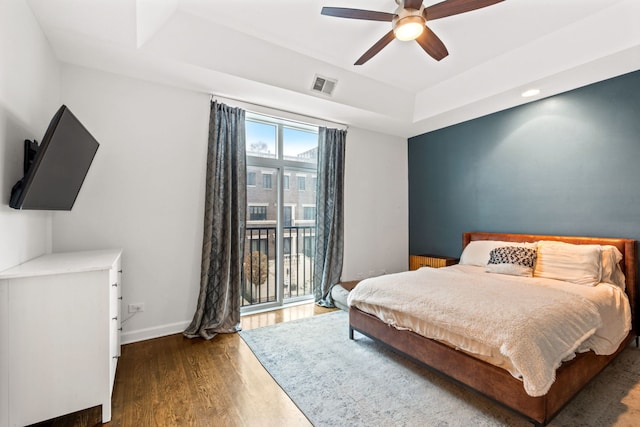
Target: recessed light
pixel 529 93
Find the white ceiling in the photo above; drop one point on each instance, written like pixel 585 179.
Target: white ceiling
pixel 268 52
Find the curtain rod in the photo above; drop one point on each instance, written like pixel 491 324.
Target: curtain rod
pixel 331 122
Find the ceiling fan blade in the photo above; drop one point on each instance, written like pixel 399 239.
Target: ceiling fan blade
pixel 432 44
pixel 385 40
pixel 369 15
pixel 412 4
pixel 455 7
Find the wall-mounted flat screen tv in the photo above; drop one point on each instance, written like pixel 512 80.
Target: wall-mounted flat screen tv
pixel 55 170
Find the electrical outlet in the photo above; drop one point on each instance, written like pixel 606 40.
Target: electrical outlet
pixel 134 308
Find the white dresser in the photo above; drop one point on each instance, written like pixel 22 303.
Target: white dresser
pixel 59 335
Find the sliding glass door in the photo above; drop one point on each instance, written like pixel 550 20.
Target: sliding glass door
pixel 281 191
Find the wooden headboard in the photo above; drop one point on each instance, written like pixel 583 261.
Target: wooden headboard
pixel 627 247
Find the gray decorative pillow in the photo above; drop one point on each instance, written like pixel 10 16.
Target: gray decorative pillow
pixel 513 260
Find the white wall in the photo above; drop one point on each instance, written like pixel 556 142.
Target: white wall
pixel 29 97
pixel 376 205
pixel 145 194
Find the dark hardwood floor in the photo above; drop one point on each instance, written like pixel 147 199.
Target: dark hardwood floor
pixel 174 381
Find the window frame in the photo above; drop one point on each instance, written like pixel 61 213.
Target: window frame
pixel 283 167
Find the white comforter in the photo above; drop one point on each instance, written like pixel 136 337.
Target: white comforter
pixel 529 325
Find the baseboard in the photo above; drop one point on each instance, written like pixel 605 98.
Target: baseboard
pixel 155 332
pixel 177 328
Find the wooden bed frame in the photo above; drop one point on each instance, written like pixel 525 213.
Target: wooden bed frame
pixel 494 382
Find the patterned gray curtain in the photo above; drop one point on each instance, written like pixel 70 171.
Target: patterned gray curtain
pixel 218 308
pixel 329 213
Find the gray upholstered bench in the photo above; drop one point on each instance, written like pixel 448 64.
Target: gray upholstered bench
pixel 340 293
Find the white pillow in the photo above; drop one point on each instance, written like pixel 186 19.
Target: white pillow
pixel 477 251
pixel 578 264
pixel 611 271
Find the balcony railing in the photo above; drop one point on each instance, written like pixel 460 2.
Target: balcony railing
pixel 259 284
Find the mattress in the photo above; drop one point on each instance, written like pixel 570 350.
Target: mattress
pixel 511 318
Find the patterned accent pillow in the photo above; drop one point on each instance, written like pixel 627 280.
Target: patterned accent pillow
pixel 513 260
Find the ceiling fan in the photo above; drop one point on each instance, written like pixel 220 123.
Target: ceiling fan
pixel 409 23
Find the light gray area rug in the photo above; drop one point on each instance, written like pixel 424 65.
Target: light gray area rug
pixel 338 382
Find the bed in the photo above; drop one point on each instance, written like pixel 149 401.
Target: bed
pixel 498 383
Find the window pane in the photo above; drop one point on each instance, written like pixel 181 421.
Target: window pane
pixel 309 246
pixel 309 213
pixel 288 216
pixel 300 145
pixel 257 213
pixel 261 139
pixel 259 267
pixel 251 178
pixel 261 204
pixel 266 180
pixel 299 258
pixel 259 245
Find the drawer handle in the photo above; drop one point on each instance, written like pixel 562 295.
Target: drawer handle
pixel 119 271
pixel 120 329
pixel 116 357
pixel 114 318
pixel 120 298
pixel 115 285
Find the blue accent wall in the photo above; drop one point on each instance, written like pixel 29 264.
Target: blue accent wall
pixel 568 164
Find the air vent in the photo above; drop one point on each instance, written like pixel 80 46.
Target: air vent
pixel 324 85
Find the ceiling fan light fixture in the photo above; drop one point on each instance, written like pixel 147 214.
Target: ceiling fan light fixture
pixel 408 27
